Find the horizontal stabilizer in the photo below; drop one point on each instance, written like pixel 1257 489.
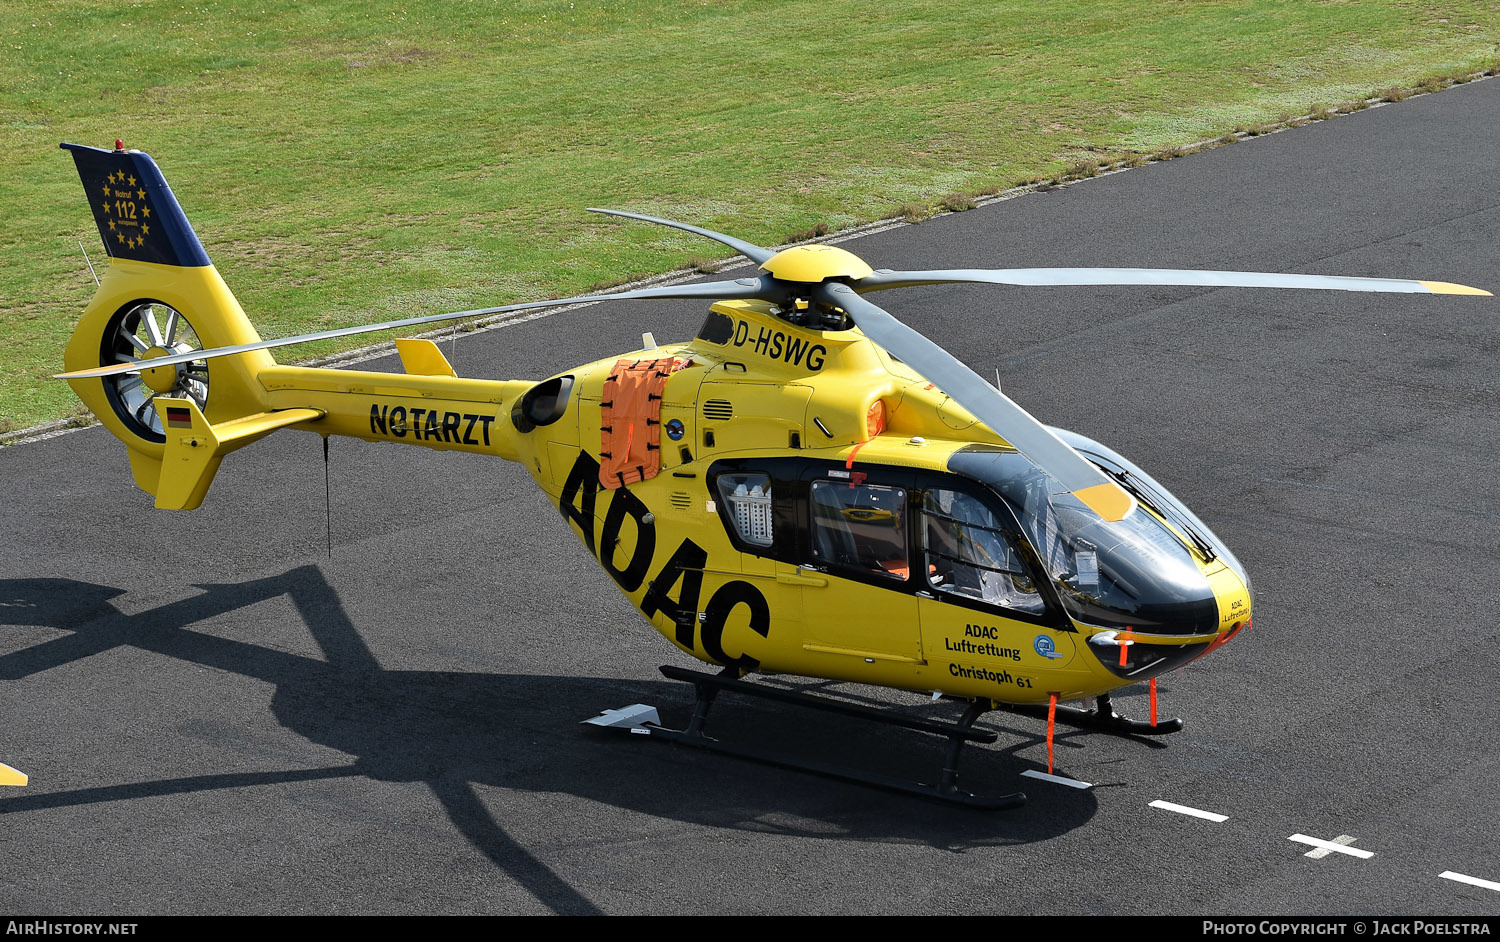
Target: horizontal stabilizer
pixel 10 776
pixel 195 448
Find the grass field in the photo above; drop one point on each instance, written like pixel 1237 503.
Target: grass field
pixel 346 162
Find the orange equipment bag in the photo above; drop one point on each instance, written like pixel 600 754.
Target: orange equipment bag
pixel 630 439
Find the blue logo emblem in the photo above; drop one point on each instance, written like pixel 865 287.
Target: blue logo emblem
pixel 675 430
pixel 1044 646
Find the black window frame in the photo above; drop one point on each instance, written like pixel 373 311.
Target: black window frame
pixel 791 516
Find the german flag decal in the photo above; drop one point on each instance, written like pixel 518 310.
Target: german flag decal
pixel 178 417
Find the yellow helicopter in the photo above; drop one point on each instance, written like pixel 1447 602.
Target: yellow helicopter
pixel 807 487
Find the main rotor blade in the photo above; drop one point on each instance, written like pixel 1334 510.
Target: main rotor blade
pixel 750 250
pixel 758 287
pixel 989 405
pixel 882 280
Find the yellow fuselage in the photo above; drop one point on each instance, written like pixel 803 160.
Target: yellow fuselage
pixel 751 387
pixel 759 389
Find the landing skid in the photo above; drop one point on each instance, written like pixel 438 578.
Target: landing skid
pixel 1102 718
pixel 708 686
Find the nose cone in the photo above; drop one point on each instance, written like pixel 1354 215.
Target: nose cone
pixel 1176 632
pixel 1232 593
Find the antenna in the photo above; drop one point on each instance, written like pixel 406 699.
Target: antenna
pixel 327 501
pixel 88 263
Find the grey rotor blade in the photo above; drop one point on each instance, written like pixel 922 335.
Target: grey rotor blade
pixel 1011 422
pixel 760 287
pixel 882 280
pixel 750 250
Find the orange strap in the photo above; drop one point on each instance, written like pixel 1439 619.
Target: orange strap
pixel 1051 726
pixel 850 463
pixel 1153 701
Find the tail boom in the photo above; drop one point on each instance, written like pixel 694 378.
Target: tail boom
pixel 431 410
pixel 162 297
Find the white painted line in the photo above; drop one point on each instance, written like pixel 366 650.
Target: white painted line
pixel 1330 845
pixel 1057 779
pixel 1194 812
pixel 1472 881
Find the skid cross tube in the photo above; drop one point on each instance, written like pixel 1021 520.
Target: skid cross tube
pixel 708 686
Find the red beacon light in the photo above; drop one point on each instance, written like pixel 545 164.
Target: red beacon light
pixel 119 145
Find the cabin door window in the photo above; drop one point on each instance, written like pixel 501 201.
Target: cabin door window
pixel 860 527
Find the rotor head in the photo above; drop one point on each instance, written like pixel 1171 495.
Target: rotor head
pixel 813 264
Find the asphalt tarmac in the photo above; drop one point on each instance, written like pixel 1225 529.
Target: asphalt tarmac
pixel 219 718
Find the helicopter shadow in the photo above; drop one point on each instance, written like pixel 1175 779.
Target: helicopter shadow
pixel 455 731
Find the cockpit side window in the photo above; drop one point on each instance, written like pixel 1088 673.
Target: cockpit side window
pixel 968 553
pixel 860 526
pixel 1136 572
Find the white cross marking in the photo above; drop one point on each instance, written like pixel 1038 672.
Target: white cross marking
pixel 1339 844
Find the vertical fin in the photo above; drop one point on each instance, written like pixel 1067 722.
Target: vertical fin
pixel 422 358
pixel 137 215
